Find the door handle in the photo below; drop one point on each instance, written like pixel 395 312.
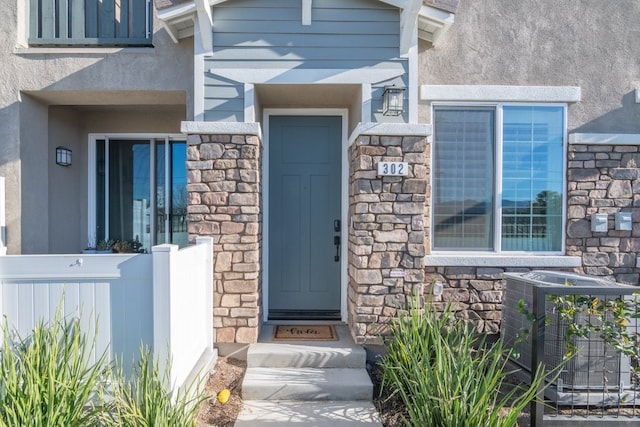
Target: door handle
pixel 336 242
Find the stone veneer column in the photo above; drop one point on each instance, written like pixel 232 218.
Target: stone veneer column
pixel 386 234
pixel 224 202
pixel 604 178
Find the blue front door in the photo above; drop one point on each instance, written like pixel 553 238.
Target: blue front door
pixel 304 214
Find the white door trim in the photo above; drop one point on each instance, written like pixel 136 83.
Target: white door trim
pixel 344 199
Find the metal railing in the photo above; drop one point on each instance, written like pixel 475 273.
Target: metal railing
pixel 90 22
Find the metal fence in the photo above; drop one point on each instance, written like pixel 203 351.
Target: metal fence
pixel 585 331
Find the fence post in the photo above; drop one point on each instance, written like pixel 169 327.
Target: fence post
pixel 537 354
pixel 3 219
pixel 162 306
pixel 210 288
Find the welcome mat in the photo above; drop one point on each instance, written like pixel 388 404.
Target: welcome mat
pixel 304 333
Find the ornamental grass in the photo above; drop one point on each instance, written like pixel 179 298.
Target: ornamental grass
pixel 448 375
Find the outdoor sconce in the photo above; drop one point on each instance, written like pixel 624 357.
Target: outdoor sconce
pixel 63 156
pixel 393 101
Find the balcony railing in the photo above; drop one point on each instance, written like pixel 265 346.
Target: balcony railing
pixel 90 22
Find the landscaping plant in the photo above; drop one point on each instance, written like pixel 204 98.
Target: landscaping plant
pixel 448 375
pixel 49 378
pixel 145 400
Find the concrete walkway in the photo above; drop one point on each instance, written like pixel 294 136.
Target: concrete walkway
pixel 322 383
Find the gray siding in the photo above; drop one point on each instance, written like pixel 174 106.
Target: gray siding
pixel 259 34
pixel 224 99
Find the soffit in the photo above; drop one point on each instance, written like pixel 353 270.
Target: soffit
pixel 307 96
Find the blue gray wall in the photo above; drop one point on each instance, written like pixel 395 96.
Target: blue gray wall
pixel 259 34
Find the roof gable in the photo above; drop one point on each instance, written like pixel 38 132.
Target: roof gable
pixel 429 18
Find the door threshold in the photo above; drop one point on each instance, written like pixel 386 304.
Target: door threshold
pixel 306 315
pixel 275 322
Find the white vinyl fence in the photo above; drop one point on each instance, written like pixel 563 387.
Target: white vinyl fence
pixel 3 219
pixel 163 300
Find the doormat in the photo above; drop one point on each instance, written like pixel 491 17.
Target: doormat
pixel 304 333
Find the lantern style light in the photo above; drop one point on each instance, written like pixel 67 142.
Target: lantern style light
pixel 393 101
pixel 63 156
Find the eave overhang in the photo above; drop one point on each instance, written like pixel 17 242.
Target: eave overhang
pixel 433 23
pixel 430 22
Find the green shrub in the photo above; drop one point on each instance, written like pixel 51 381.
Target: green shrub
pixel 47 378
pixel 447 375
pixel 144 399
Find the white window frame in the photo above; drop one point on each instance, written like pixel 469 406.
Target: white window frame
pixel 91 173
pixel 497 211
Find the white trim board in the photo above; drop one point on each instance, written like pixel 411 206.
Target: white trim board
pixel 344 200
pixel 500 93
pixel 390 129
pixel 292 75
pixel 221 128
pixel 524 261
pixel 605 138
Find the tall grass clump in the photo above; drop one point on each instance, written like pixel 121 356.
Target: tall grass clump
pixel 446 374
pixel 49 378
pixel 145 399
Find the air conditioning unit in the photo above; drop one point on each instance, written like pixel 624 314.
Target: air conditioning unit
pixel 598 374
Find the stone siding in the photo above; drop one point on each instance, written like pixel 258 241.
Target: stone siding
pixel 604 179
pixel 389 232
pixel 386 237
pixel 601 179
pixel 224 188
pixel 472 293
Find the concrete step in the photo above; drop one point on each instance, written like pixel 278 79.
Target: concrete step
pixel 295 413
pixel 272 355
pixel 306 384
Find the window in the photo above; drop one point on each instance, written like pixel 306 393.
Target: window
pixel 498 178
pixel 90 23
pixel 141 190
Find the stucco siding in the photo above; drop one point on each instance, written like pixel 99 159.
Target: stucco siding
pixel 270 35
pixel 33 80
pixel 587 43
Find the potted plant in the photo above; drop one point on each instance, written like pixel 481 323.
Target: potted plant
pixel 104 246
pixel 128 246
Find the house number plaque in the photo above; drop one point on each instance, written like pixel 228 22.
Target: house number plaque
pixel 393 169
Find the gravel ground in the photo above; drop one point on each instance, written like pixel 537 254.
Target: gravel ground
pixel 228 374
